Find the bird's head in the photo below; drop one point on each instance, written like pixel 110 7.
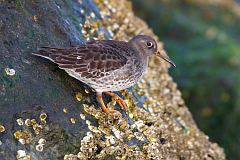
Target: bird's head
pixel 147 46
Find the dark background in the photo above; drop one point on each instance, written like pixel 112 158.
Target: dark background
pixel 203 39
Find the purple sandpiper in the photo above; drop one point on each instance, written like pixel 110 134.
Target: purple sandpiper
pixel 106 65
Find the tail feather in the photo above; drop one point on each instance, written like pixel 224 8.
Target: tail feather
pixel 56 55
pixel 44 52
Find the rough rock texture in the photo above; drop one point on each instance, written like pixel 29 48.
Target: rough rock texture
pixel 46 114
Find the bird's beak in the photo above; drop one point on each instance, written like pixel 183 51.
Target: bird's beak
pixel 158 53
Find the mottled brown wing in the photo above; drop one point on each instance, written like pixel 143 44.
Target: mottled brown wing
pixel 93 60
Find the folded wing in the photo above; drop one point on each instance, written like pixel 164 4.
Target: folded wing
pixel 92 60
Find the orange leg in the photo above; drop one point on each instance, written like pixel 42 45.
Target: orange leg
pixel 119 100
pixel 104 108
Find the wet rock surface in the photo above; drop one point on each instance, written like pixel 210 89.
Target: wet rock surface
pixel 46 114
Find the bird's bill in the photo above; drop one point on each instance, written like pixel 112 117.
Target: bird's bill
pixel 158 53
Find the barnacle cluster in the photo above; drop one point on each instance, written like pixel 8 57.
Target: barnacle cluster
pixel 91 28
pixel 159 126
pixel 22 155
pixel 78 96
pixel 2 128
pixel 114 23
pixel 40 145
pixel 10 71
pixel 30 129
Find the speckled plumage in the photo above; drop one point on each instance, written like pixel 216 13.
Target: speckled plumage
pixel 105 65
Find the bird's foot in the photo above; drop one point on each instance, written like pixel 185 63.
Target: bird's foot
pixel 119 100
pixel 111 110
pixel 104 108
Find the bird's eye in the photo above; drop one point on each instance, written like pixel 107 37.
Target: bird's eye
pixel 149 44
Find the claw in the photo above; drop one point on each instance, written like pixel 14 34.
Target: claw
pixel 119 100
pixel 104 108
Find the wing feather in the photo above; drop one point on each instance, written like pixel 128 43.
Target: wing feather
pixel 91 59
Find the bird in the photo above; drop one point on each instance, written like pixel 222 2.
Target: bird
pixel 106 65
